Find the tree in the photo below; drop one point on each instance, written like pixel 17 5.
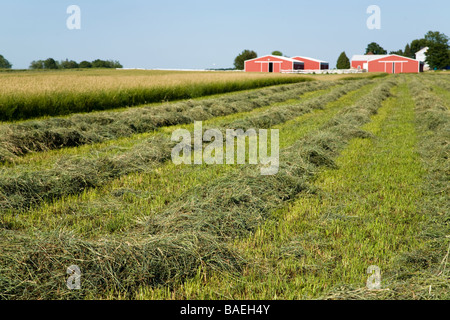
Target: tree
pixel 343 62
pixel 50 63
pixel 117 64
pixel 398 52
pixel 417 45
pixel 244 55
pixel 37 64
pixel 68 64
pixel 438 54
pixel 436 37
pixel 375 48
pixel 106 64
pixel 277 53
pixel 408 53
pixel 4 64
pixel 99 64
pixel 85 64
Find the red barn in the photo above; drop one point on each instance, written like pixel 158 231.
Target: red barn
pixel 313 64
pixel 390 63
pixel 272 64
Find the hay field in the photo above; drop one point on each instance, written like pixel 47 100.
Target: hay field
pixel 32 94
pixel 363 180
pixel 80 81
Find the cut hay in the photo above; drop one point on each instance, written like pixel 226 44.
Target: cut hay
pixel 55 133
pixel 190 234
pixel 21 191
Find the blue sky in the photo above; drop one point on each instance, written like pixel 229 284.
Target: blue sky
pixel 208 33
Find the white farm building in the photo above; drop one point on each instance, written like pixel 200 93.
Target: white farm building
pixel 421 56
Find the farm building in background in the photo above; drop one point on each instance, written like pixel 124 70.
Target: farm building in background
pixel 390 63
pixel 313 64
pixel 421 56
pixel 272 63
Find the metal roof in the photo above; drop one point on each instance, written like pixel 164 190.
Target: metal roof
pixel 423 50
pixel 312 59
pixel 377 57
pixel 278 57
pixel 369 57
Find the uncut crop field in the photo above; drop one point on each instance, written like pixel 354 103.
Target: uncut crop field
pixel 363 180
pixel 27 95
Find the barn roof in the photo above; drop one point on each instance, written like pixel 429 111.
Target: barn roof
pixel 423 50
pixel 369 57
pixel 377 57
pixel 278 57
pixel 312 59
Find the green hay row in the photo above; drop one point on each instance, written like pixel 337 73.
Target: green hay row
pixel 242 199
pixel 55 133
pixel 69 176
pixel 190 234
pixel 433 123
pixel 424 273
pixel 282 114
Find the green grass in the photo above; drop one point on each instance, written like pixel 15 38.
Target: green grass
pixel 444 93
pixel 147 193
pixel 347 197
pixel 321 244
pixel 62 132
pixel 181 246
pixel 21 190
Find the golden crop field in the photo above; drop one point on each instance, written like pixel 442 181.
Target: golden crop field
pixel 26 95
pixel 39 82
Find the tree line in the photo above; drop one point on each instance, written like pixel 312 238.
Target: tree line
pixel 51 63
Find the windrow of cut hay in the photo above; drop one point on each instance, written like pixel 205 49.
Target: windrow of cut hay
pixel 41 261
pixel 282 114
pixel 80 129
pixel 73 175
pixel 425 271
pixel 442 82
pixel 189 234
pixel 28 105
pixel 236 203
